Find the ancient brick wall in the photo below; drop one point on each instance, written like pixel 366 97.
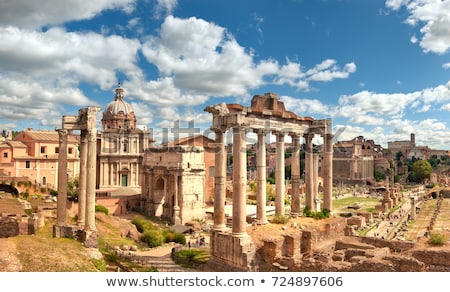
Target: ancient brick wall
pixel 12 225
pixel 9 227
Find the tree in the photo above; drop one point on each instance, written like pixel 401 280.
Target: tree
pixel 398 156
pixel 421 170
pixel 434 161
pixel 72 189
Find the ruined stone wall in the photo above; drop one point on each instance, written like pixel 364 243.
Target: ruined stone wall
pixel 11 225
pixel 393 245
pixel 437 261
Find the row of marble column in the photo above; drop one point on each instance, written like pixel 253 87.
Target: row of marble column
pixel 86 184
pixel 240 177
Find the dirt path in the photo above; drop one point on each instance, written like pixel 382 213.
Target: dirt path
pixel 8 259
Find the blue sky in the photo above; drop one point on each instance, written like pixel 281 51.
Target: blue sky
pixel 380 69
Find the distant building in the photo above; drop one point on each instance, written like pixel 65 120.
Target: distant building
pixel 120 148
pixel 354 161
pixel 33 156
pixel 409 149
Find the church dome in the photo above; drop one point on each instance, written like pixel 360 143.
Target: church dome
pixel 119 114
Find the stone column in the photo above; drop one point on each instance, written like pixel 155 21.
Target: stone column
pixel 151 210
pixel 413 208
pixel 279 175
pixel 327 170
pixel 261 196
pixel 239 182
pixel 220 172
pixel 295 176
pixel 315 182
pixel 176 208
pixel 82 179
pixel 90 180
pixel 309 179
pixel 61 213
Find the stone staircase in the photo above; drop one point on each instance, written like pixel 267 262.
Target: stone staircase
pixel 162 264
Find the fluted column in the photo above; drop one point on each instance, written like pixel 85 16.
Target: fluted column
pixel 309 162
pixel 279 176
pixel 239 182
pixel 62 179
pixel 261 196
pixel 295 176
pixel 328 172
pixel 82 179
pixel 220 170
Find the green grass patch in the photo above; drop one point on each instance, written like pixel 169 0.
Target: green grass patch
pixel 191 258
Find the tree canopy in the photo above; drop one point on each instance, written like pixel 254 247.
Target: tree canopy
pixel 421 170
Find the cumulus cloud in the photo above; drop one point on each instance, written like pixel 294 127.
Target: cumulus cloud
pixel 164 7
pixel 35 14
pixel 433 16
pixel 304 107
pixel 202 57
pixel 57 54
pixel 30 100
pixel 376 104
pixel 371 108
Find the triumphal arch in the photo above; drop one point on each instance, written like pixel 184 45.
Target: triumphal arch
pixel 266 115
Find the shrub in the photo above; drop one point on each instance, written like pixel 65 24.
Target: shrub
pixel 191 257
pixel 280 219
pixel 180 238
pixel 102 209
pixel 143 224
pixel 438 239
pixel 325 213
pixel 152 238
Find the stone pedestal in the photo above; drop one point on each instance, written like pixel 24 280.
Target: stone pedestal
pixel 89 238
pixel 236 253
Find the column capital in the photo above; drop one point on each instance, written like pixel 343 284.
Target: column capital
pixel 295 135
pixel 261 131
pixel 62 133
pixel 280 134
pixel 220 129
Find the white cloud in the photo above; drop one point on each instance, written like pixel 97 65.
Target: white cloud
pixel 377 104
pixel 446 65
pixel 58 55
pixel 203 58
pixel 164 7
pixel 304 107
pixel 327 71
pixel 396 4
pixel 35 14
pixel 434 16
pixel 29 100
